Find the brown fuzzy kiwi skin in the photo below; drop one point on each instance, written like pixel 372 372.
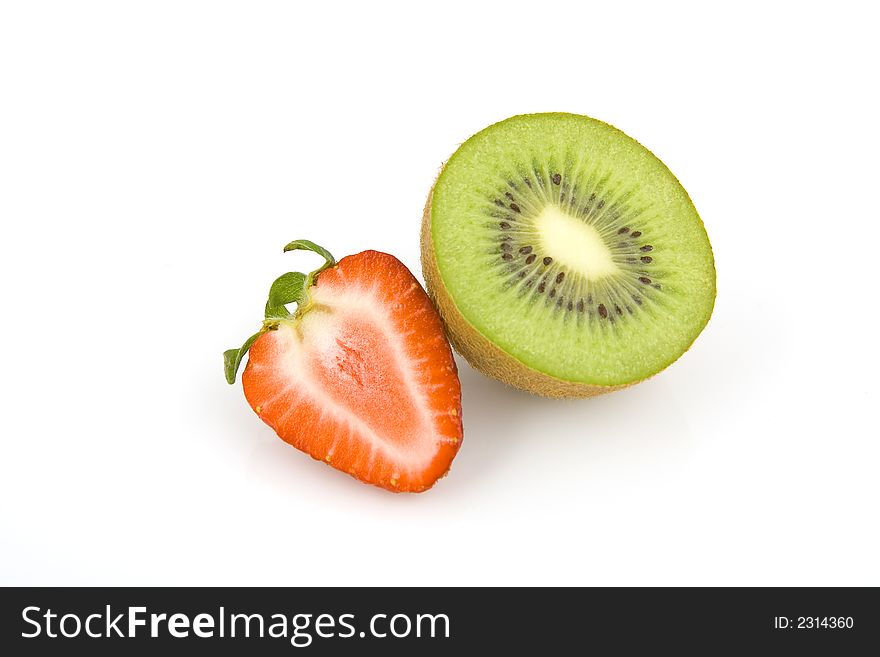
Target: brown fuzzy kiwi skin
pixel 484 355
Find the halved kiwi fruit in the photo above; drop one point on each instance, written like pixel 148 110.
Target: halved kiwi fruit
pixel 564 257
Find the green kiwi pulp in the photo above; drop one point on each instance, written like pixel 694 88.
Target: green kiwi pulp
pixel 571 248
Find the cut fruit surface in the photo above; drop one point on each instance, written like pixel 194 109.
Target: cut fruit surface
pixel 565 257
pixel 363 378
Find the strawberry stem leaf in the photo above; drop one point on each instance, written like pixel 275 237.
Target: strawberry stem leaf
pixel 232 357
pixel 308 245
pixel 287 288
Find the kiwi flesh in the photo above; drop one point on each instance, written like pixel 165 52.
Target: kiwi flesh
pixel 564 257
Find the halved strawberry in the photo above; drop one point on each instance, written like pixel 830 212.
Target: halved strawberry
pixel 360 375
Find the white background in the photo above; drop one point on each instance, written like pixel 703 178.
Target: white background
pixel 156 156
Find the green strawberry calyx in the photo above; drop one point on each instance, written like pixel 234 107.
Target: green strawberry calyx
pixel 292 287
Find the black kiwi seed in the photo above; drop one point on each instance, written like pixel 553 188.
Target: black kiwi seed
pixel 552 292
pixel 506 256
pixel 559 277
pixel 637 299
pixel 570 305
pixel 542 286
pixel 618 310
pixel 525 250
pixel 646 259
pixel 527 182
pixel 504 225
pixel 530 259
pixel 580 305
pixel 645 280
pixel 547 260
pixel 499 202
pixel 509 195
pixel 522 273
pixel 623 230
pixel 601 204
pixel 603 312
pixel 515 207
pixel 636 233
pixel 505 246
pixel 556 178
pixel 647 248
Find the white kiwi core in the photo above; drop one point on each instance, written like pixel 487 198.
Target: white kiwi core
pixel 573 243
